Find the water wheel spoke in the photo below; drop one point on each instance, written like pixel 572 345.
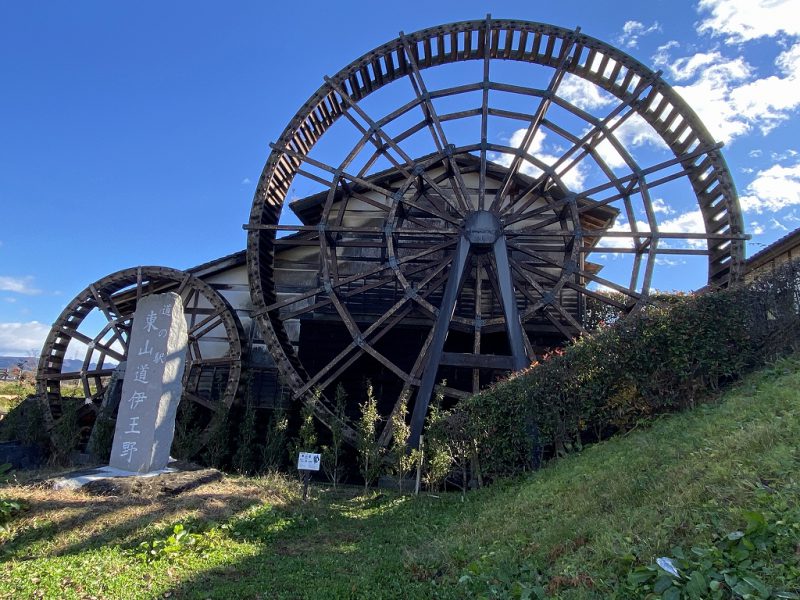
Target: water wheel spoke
pixel 204 402
pixel 314 381
pixel 432 210
pixel 634 177
pixel 108 309
pixel 92 343
pixel 590 276
pixel 435 127
pixel 374 127
pixel 385 266
pixel 207 325
pixel 602 129
pixel 544 103
pixel 71 375
pixel 484 111
pixel 366 183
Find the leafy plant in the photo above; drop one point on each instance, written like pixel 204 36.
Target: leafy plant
pixel 437 458
pixel 667 357
pixel 245 457
pixel 403 460
pixel 218 449
pixel 8 508
pixel 186 442
pixel 66 433
pixel 332 455
pixel 5 472
pixel 180 542
pixel 306 440
pixel 738 565
pixel 273 452
pixel 369 450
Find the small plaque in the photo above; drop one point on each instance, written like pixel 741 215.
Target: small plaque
pixel 308 461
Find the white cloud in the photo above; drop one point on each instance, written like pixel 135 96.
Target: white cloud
pixel 768 101
pixel 669 262
pixel 662 56
pixel 599 287
pixel 621 224
pixel 633 30
pixel 18 285
pixel 659 206
pixel 688 222
pixel 19 339
pixel 688 66
pixel 573 178
pixel 633 132
pixel 772 190
pixel 728 96
pixel 246 180
pixel 781 156
pixel 743 20
pixel 710 96
pixel 756 228
pixel 583 93
pixel 775 224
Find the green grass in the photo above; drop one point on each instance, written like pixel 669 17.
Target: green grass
pixel 13 392
pixel 576 529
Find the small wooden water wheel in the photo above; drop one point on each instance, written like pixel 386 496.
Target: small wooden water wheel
pixel 456 196
pixel 89 341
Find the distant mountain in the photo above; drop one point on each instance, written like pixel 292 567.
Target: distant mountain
pixel 9 362
pixel 31 363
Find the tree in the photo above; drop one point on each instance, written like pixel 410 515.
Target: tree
pixel 403 460
pixel 274 448
pixel 244 460
pixel 369 450
pixel 306 440
pixel 438 460
pixel 332 455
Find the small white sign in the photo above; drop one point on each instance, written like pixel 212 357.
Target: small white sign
pixel 308 461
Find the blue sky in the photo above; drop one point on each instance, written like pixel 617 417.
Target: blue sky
pixel 134 133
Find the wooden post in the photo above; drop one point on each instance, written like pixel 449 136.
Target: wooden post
pixel 306 479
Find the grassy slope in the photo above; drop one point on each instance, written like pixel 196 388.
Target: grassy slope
pixel 576 527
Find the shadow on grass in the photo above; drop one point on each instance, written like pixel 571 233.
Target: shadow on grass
pixel 63 523
pixel 339 545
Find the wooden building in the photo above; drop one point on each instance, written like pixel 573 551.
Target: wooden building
pixel 779 252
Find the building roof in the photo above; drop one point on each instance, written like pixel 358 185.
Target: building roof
pixel 775 249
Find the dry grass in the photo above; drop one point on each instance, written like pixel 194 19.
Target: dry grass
pixel 63 521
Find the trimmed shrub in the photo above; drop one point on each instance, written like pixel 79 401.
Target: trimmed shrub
pixel 664 358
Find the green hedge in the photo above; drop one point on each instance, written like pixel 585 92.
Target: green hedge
pixel 664 358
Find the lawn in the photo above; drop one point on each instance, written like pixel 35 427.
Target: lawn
pixel 696 488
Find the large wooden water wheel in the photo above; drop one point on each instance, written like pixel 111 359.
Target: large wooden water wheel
pixel 455 197
pixel 89 341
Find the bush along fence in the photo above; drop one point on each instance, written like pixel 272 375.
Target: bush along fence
pixel 666 357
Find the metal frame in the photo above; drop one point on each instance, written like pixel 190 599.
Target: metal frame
pixel 421 245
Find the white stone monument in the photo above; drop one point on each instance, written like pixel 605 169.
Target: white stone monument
pixel 152 387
